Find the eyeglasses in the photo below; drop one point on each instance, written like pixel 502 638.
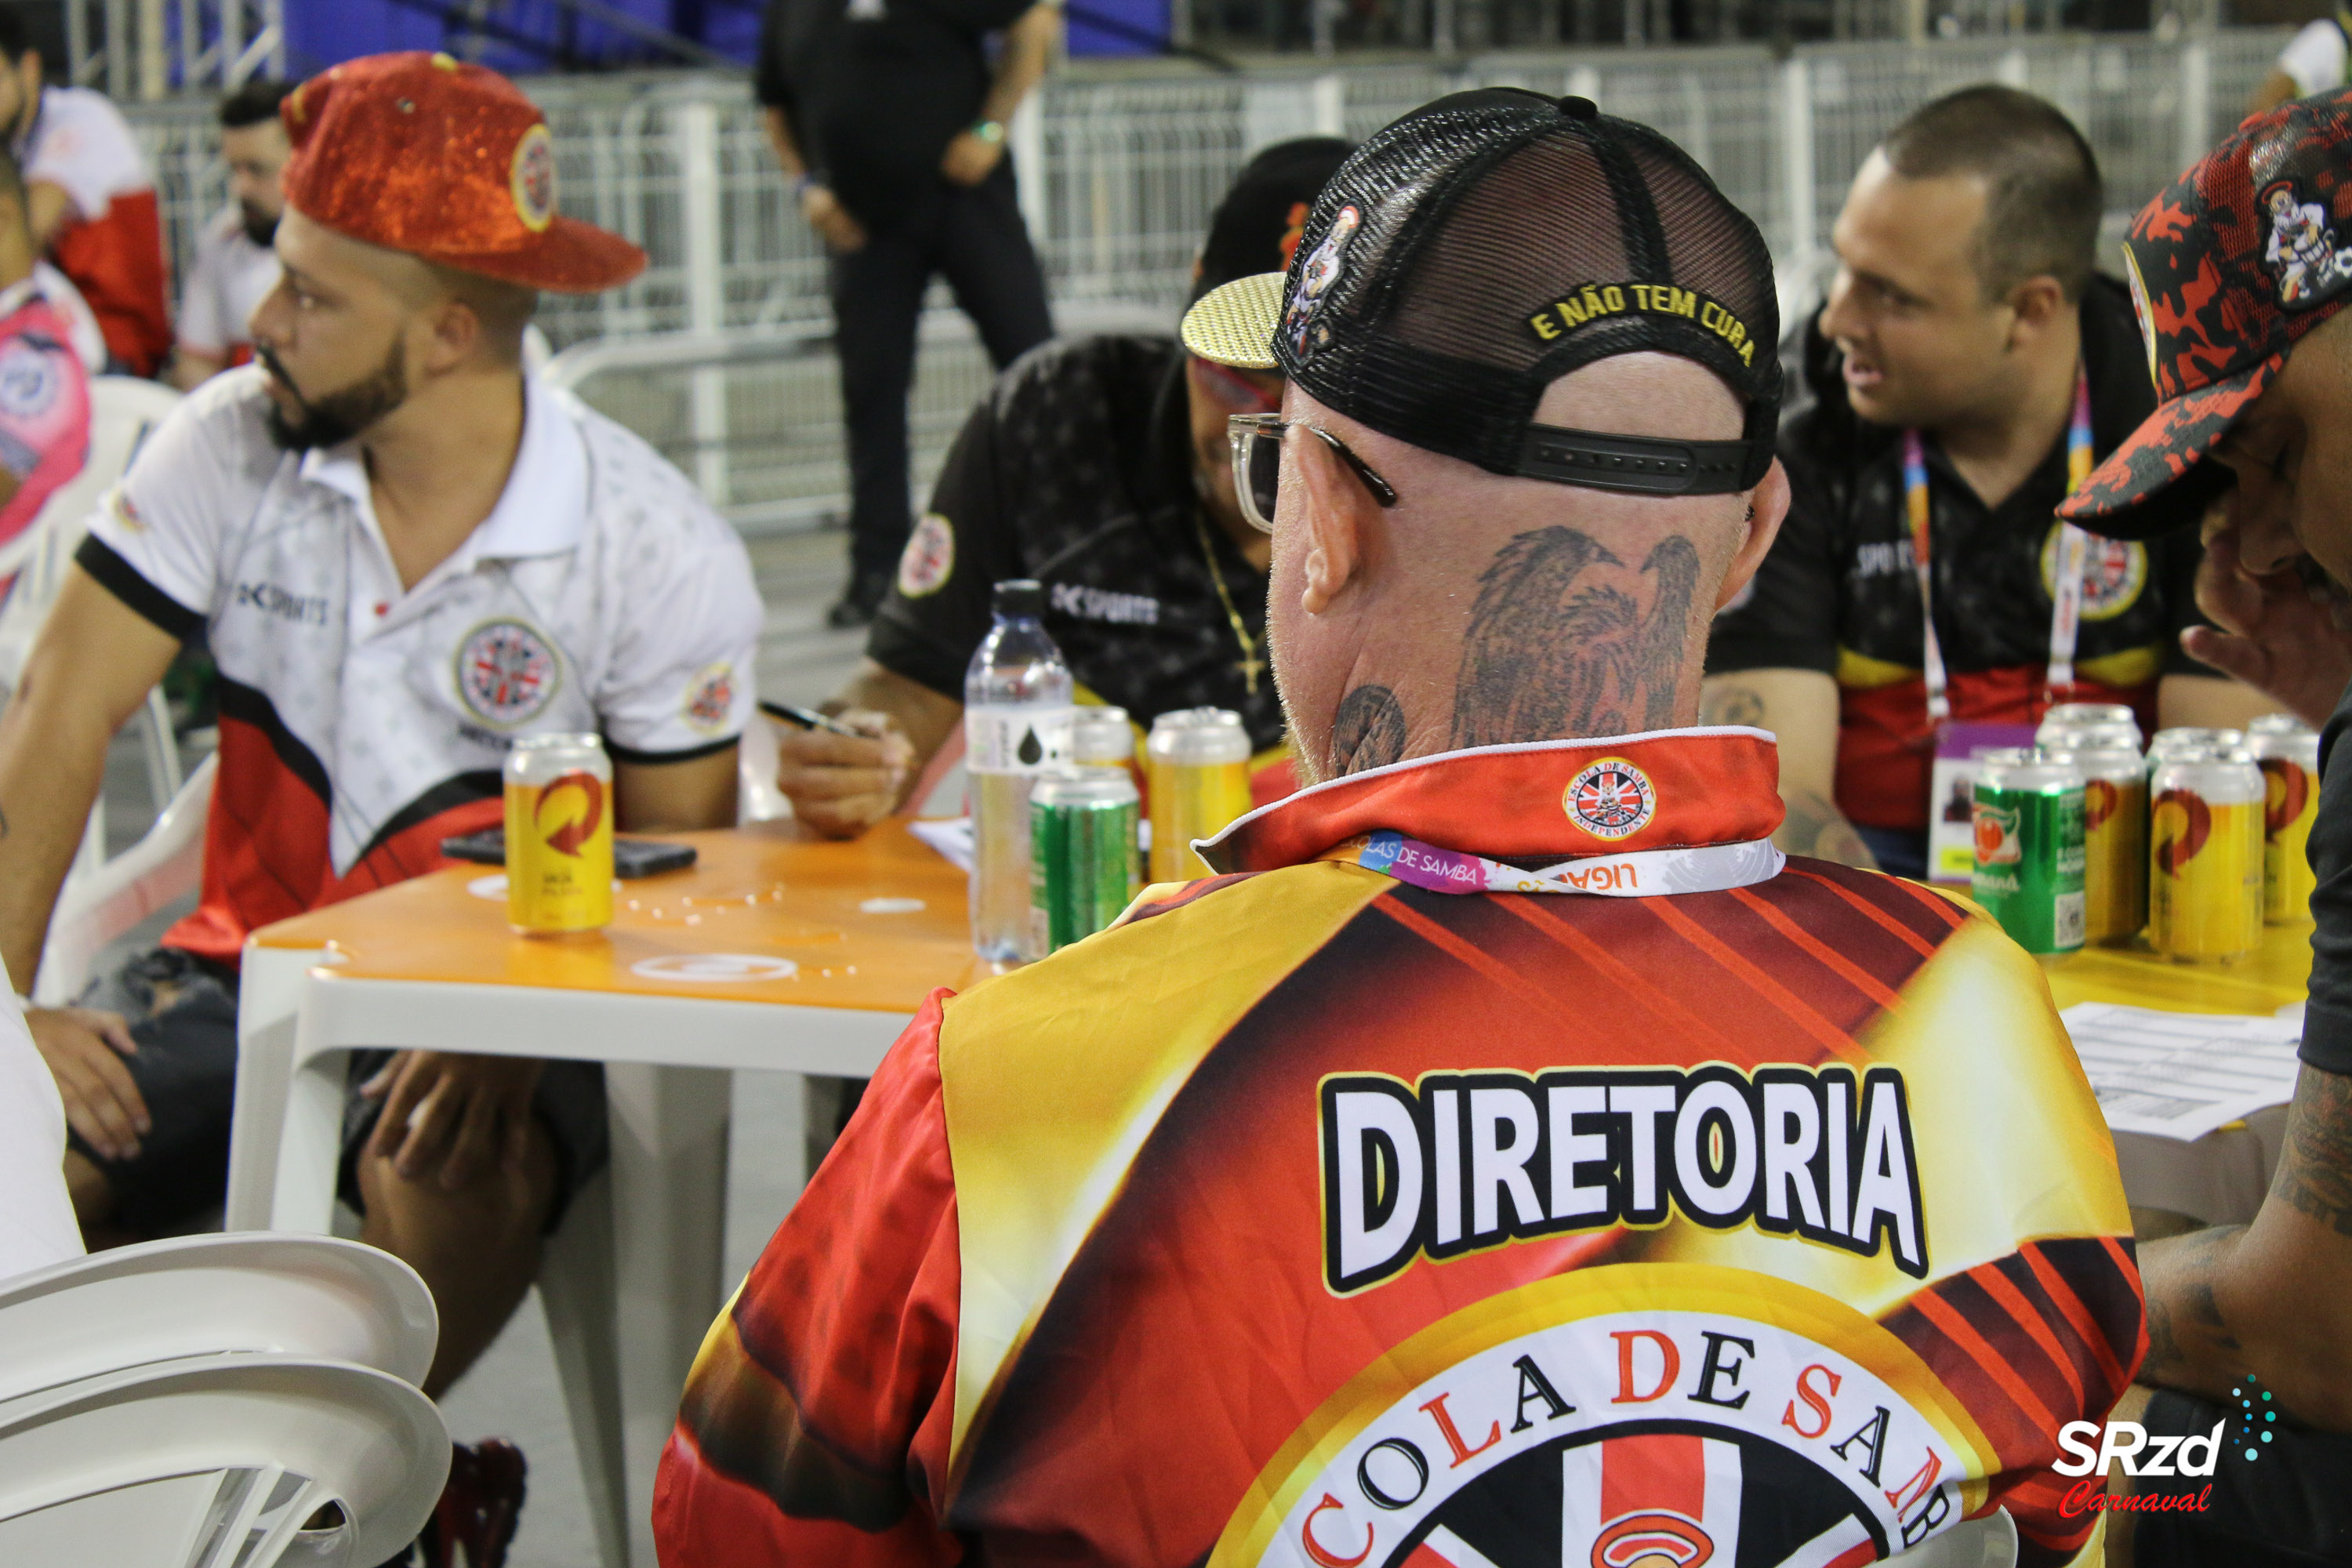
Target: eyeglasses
pixel 1258 464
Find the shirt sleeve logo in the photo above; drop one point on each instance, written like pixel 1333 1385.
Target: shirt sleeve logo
pixel 2113 572
pixel 929 560
pixel 506 672
pixel 710 698
pixel 1612 799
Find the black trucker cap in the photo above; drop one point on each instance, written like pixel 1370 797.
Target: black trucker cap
pixel 1471 253
pixel 1259 223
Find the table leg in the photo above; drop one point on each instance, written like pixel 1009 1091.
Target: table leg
pixel 268 999
pixel 669 1172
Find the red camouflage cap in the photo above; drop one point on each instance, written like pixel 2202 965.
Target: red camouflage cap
pixel 448 162
pixel 2228 267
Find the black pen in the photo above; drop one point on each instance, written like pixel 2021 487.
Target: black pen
pixel 809 719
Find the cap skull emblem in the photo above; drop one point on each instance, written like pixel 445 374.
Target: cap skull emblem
pixel 1316 279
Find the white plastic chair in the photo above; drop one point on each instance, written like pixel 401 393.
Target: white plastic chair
pixel 225 1462
pixel 99 905
pixel 123 410
pixel 253 1292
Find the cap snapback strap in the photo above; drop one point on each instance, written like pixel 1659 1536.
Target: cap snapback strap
pixel 1642 464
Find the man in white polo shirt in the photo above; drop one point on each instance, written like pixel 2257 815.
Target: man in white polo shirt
pixel 235 266
pixel 404 553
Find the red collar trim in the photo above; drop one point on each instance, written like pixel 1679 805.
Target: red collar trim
pixel 1666 789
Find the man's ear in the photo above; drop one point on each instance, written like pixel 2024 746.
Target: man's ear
pixel 2039 302
pixel 1321 495
pixel 1768 503
pixel 457 333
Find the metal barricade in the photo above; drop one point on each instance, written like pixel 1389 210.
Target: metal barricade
pixel 754 416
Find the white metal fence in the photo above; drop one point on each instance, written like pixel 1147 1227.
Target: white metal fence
pixel 1120 171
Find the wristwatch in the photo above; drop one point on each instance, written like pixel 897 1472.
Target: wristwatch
pixel 989 131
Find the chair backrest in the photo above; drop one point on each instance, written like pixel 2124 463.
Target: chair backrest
pixel 219 1462
pixel 123 410
pixel 95 906
pixel 260 1291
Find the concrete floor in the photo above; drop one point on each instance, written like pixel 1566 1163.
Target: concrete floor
pixel 513 1392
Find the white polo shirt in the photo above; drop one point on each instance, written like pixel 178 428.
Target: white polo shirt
pixel 362 724
pixel 227 279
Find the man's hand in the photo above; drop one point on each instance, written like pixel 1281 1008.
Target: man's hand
pixel 841 786
pixel 460 1113
pixel 968 158
pixel 84 1048
pixel 2281 634
pixel 831 220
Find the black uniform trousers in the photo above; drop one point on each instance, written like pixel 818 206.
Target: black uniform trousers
pixel 976 237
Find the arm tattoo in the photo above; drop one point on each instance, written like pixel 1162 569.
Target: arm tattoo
pixel 1367 731
pixel 2188 1343
pixel 1552 654
pixel 1733 705
pixel 2315 1173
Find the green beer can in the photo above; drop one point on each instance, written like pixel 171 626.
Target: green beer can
pixel 1083 869
pixel 2029 849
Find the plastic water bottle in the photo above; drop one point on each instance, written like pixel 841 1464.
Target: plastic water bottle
pixel 1016 724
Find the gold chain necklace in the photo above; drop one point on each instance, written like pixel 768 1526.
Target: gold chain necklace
pixel 1249 664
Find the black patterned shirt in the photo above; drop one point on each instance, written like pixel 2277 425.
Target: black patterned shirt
pixel 1077 469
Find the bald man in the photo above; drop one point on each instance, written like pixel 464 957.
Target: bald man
pixel 1509 1157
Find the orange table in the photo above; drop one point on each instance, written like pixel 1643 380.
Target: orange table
pixel 774 952
pixel 2220 1178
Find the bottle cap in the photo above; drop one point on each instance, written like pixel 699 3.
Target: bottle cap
pixel 1019 598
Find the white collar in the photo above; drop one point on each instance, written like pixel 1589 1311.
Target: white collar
pixel 543 510
pixel 13 298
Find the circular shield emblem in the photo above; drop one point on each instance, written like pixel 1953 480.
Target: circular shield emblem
pixel 1612 799
pixel 506 672
pixel 929 560
pixel 28 380
pixel 710 697
pixel 2113 572
pixel 534 178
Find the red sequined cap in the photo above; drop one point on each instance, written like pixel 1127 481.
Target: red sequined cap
pixel 446 160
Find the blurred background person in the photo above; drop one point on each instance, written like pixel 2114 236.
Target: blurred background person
pixel 43 386
pixel 1967 308
pixel 2314 59
pixel 890 121
pixel 234 265
pixel 1100 467
pixel 91 201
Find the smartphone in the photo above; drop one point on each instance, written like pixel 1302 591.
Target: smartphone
pixel 631 858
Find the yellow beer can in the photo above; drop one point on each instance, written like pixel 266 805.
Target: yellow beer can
pixel 2205 855
pixel 2115 840
pixel 1196 767
pixel 2288 751
pixel 559 799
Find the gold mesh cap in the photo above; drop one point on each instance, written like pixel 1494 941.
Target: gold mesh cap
pixel 1235 324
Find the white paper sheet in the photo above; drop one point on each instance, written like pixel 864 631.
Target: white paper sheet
pixel 2183 1074
pixel 951 837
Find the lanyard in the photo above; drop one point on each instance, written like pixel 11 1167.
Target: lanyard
pixel 2073 552
pixel 1640 873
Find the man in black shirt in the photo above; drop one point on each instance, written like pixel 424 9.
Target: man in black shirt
pixel 2242 279
pixel 1966 309
pixel 887 122
pixel 1100 468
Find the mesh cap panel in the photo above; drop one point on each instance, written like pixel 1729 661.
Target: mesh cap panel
pixel 1474 251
